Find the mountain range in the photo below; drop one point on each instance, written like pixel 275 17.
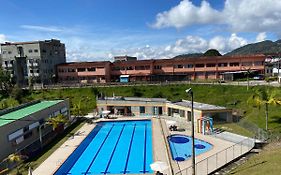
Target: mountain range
pixel 266 47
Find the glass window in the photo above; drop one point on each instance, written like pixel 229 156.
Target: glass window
pixel 91 69
pixel 234 64
pixel 35 50
pixel 142 109
pixel 211 65
pixel 199 65
pixel 81 69
pixel 222 64
pixel 30 50
pixel 188 66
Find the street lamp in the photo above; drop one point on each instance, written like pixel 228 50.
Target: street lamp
pixel 190 92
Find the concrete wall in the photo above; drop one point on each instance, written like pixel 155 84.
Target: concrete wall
pixel 9 147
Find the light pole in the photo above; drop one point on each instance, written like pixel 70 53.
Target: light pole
pixel 190 92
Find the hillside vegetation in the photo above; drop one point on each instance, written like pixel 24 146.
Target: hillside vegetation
pixel 230 96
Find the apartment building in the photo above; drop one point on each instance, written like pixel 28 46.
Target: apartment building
pixel 21 127
pixel 33 61
pixel 176 69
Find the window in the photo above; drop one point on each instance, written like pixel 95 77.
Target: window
pixel 9 52
pixel 130 68
pixel 188 66
pixel 4 52
pixel 234 64
pixel 71 70
pixel 81 69
pixel 142 109
pixel 35 50
pixel 157 67
pixel 30 51
pixel 31 71
pixel 199 65
pixel 211 65
pixel 222 64
pixel 178 66
pixel 142 67
pixel 92 69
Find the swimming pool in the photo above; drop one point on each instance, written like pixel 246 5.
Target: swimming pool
pixel 180 146
pixel 119 147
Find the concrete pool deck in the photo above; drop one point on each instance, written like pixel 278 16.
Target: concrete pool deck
pixel 52 163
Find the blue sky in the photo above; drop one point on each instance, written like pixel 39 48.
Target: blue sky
pixel 100 29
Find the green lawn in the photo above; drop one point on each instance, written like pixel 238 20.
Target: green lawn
pixel 234 128
pixel 267 162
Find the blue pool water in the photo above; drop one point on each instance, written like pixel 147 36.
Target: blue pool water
pixel 180 146
pixel 119 147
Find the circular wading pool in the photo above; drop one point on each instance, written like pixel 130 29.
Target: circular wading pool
pixel 180 146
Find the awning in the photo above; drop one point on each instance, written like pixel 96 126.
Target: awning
pixel 124 76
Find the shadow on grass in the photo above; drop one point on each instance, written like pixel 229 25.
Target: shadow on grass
pixel 252 166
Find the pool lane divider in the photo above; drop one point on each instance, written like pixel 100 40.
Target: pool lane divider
pixel 87 171
pixel 130 147
pixel 111 156
pixel 144 151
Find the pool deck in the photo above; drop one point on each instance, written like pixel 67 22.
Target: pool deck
pixel 52 163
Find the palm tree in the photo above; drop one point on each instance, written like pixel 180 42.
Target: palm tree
pixel 16 158
pixel 77 109
pixel 264 97
pixel 56 121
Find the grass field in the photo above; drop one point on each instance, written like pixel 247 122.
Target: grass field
pixel 267 162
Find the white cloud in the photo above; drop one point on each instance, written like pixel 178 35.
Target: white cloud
pixel 189 44
pixel 3 38
pixel 186 14
pixel 42 28
pixel 237 15
pixel 261 37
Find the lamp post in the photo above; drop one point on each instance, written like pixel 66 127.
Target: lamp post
pixel 190 92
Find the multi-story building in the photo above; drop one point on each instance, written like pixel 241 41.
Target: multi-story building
pixel 23 128
pixel 84 72
pixel 176 69
pixel 33 61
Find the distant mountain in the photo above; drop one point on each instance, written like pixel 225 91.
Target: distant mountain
pixel 190 55
pixel 264 47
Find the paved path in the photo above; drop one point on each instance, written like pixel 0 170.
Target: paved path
pixel 52 163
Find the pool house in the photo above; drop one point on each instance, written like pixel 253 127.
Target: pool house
pixel 135 106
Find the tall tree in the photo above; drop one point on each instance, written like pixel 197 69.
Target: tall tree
pixel 265 97
pixel 5 82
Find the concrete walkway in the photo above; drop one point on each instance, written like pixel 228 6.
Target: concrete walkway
pixel 52 163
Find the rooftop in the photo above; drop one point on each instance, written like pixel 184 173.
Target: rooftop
pixel 135 99
pixel 199 106
pixel 25 111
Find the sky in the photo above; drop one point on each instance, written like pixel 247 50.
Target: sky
pixel 98 30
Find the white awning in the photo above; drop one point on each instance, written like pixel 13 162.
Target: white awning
pixel 124 76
